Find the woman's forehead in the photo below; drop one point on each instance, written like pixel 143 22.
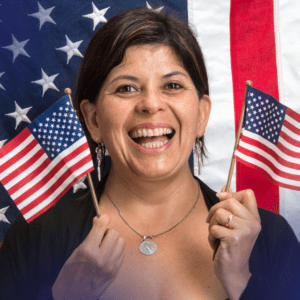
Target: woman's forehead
pixel 153 54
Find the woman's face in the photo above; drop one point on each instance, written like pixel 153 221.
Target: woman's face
pixel 148 113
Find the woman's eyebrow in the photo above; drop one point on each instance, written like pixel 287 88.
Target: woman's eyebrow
pixel 166 76
pixel 133 78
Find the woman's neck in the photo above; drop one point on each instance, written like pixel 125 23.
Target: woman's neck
pixel 161 203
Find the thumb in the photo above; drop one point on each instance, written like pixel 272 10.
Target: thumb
pixel 100 225
pixel 224 189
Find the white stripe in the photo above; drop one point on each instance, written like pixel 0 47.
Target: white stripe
pixel 17 150
pixel 271 146
pixel 288 145
pixel 49 183
pixel 211 20
pixel 269 158
pixel 19 163
pixel 70 179
pixel 48 169
pixel 26 172
pixel 289 24
pixel 292 121
pixel 290 133
pixel 267 169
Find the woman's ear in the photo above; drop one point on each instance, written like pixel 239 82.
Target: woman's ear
pixel 89 112
pixel 204 112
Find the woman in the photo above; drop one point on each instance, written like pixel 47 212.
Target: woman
pixel 143 94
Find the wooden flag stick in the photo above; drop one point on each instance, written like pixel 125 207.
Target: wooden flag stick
pixel 238 136
pixel 89 178
pixel 237 140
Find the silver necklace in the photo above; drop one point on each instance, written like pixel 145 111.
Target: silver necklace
pixel 148 247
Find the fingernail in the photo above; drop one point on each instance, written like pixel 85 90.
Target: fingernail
pixel 222 195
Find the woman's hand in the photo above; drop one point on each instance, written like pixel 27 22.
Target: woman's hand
pixel 92 266
pixel 237 238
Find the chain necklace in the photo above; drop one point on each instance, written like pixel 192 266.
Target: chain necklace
pixel 148 247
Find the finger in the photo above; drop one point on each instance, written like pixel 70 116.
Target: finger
pixel 112 245
pixel 245 197
pixel 97 232
pixel 234 207
pixel 224 218
pixel 217 232
pixel 224 189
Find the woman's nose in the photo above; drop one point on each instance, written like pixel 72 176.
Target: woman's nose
pixel 151 102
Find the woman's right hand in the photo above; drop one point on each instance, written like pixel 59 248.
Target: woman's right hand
pixel 93 265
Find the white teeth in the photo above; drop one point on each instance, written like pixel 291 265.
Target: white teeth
pixel 139 132
pixel 145 133
pixel 150 132
pixel 155 144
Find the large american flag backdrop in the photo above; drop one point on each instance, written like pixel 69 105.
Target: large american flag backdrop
pixel 42 44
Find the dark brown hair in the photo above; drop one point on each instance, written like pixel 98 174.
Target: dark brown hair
pixel 136 27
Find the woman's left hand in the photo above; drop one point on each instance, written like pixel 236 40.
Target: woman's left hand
pixel 237 238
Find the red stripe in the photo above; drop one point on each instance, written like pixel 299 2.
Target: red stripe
pixel 23 168
pixel 30 177
pixel 253 56
pixel 271 152
pixel 287 151
pixel 59 196
pixel 51 174
pixel 56 185
pixel 291 127
pixel 10 162
pixel 289 139
pixel 268 175
pixel 293 114
pixel 19 139
pixel 269 164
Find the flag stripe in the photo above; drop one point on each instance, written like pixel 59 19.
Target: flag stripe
pixel 288 148
pixel 286 134
pixel 256 141
pixel 294 115
pixel 28 167
pixel 269 161
pixel 31 173
pixel 50 175
pixel 258 165
pixel 11 149
pixel 250 50
pixel 214 38
pixel 290 126
pixel 58 193
pixel 51 191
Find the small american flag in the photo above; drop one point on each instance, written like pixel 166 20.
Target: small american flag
pixel 271 139
pixel 41 163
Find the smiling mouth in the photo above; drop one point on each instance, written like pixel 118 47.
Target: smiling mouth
pixel 152 138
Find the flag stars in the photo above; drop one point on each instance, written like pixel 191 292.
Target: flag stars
pixel 46 82
pixel 97 15
pixel 20 114
pixel 2 215
pixel 43 15
pixel 71 49
pixel 17 48
pixel 1 86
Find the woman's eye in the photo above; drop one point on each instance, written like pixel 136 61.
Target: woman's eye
pixel 173 86
pixel 126 89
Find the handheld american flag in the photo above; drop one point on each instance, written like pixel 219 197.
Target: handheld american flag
pixel 270 139
pixel 41 163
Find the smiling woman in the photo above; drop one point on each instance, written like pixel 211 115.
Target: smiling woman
pixel 143 95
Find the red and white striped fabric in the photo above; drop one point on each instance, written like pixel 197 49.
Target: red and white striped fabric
pixel 257 40
pixel 42 162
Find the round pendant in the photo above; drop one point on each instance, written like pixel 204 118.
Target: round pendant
pixel 148 248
